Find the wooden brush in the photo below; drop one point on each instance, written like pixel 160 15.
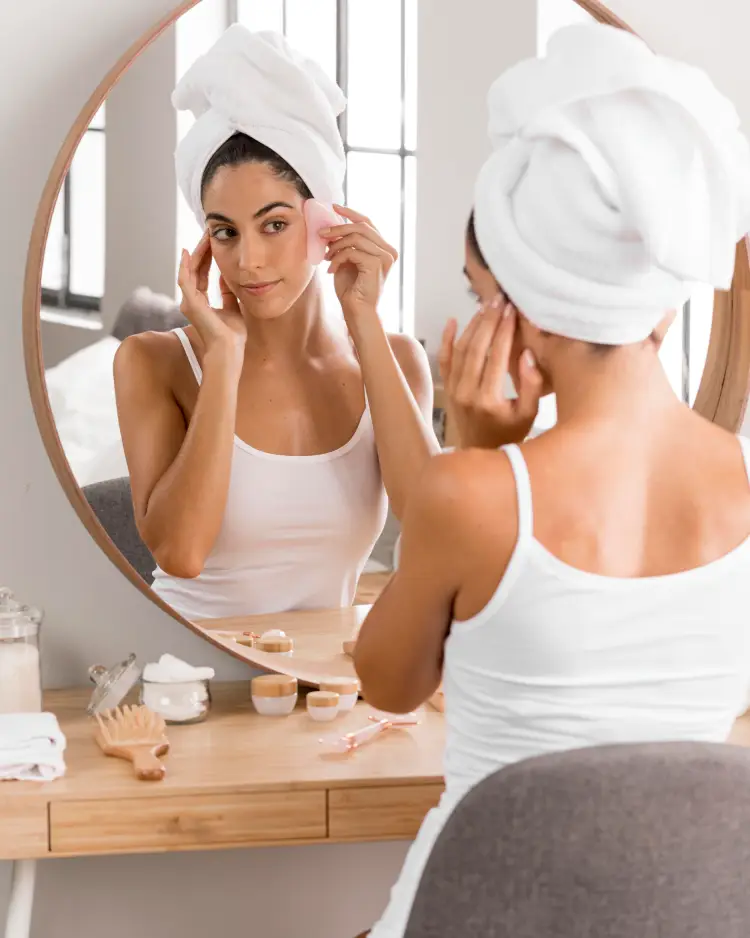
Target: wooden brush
pixel 136 734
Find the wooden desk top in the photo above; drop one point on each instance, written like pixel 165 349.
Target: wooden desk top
pixel 238 779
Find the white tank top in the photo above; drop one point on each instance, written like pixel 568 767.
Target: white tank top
pixel 559 659
pixel 297 530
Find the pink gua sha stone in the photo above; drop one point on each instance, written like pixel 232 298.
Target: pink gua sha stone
pixel 318 216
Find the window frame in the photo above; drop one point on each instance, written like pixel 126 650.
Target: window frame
pixel 64 300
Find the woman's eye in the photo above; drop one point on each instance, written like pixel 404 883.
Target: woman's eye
pixel 275 227
pixel 223 234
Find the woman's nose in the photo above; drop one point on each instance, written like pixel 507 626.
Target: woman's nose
pixel 252 254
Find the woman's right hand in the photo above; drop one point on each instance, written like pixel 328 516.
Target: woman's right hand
pixel 223 327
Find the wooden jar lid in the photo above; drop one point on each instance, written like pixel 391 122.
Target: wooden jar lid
pixel 322 698
pixel 341 685
pixel 245 638
pixel 273 685
pixel 276 643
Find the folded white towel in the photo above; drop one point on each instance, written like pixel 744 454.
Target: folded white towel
pixel 258 84
pixel 171 670
pixel 31 747
pixel 619 178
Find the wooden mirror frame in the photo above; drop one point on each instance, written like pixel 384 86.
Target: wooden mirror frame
pixel 722 396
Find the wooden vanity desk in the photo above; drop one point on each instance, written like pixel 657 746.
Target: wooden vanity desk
pixel 236 780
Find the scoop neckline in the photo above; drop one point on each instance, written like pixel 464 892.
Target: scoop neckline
pixel 195 365
pixel 312 457
pixel 566 571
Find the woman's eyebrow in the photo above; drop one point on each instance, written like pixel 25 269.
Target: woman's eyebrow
pixel 217 216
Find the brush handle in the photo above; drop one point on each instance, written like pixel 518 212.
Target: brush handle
pixel 147 766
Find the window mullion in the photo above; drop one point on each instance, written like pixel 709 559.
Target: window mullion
pixel 402 218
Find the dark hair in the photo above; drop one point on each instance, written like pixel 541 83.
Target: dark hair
pixel 471 237
pixel 239 149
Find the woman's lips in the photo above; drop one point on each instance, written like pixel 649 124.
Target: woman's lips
pixel 260 289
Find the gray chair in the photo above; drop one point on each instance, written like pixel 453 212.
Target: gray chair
pixel 646 841
pixel 112 504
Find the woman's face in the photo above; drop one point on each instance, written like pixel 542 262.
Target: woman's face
pixel 258 237
pixel 484 287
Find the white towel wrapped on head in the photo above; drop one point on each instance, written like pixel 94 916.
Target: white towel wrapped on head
pixel 619 178
pixel 258 84
pixel 31 747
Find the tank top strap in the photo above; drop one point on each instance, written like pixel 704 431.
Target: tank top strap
pixel 189 353
pixel 523 491
pixel 745 447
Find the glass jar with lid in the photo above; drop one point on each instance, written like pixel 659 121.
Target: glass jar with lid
pixel 20 662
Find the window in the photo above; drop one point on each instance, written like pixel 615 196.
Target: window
pixel 369 47
pixel 73 271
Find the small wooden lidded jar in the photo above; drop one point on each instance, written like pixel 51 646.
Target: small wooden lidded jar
pixel 246 638
pixel 323 705
pixel 346 687
pixel 274 695
pixel 276 644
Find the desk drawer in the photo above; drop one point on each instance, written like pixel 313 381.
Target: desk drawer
pixel 379 813
pixel 186 822
pixel 24 831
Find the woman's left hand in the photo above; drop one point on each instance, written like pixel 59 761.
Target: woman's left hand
pixel 474 370
pixel 360 261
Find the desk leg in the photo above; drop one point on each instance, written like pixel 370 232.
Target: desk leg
pixel 18 922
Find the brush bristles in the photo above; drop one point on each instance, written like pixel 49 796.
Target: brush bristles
pixel 130 725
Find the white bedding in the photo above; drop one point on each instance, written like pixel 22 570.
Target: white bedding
pixel 82 397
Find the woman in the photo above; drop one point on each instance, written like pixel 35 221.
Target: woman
pixel 589 586
pixel 259 440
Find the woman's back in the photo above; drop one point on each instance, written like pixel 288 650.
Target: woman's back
pixel 621 614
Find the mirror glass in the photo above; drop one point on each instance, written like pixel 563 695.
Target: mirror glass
pixel 120 224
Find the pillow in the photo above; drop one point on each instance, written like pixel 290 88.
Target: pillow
pixel 146 311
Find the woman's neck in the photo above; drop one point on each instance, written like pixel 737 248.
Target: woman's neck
pixel 625 386
pixel 301 331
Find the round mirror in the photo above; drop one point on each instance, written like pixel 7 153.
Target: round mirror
pixel 102 301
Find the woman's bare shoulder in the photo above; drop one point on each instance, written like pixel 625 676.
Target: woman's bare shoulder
pixel 148 355
pixel 465 483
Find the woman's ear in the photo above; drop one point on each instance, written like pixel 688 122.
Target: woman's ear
pixel 661 330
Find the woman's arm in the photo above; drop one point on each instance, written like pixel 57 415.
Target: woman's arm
pixel 458 536
pixel 395 369
pixel 399 389
pixel 179 478
pixel 399 652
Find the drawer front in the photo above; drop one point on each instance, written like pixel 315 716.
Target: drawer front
pixel 380 813
pixel 24 831
pixel 186 822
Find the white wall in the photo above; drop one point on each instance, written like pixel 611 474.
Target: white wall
pixel 141 195
pixel 53 54
pixel 463 47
